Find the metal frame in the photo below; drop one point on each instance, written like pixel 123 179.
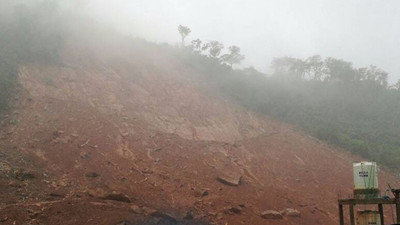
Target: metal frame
pixel 373 201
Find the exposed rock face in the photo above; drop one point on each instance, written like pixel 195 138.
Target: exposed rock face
pixel 271 214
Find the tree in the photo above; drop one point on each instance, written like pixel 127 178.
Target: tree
pixel 184 32
pixel 196 45
pixel 289 67
pixel 215 48
pixel 339 70
pixel 234 56
pixel 315 67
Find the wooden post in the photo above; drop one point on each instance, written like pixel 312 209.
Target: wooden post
pixel 352 222
pixel 396 195
pixel 341 218
pixel 380 206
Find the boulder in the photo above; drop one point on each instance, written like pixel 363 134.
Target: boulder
pixel 271 214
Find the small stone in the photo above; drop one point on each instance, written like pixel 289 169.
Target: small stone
pixel 136 209
pixel 271 214
pixel 231 181
pixel 164 216
pixel 204 193
pixel 117 197
pixel 236 210
pixel 188 216
pixel 291 212
pixel 92 175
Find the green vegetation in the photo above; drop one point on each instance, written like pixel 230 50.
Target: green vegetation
pixel 353 108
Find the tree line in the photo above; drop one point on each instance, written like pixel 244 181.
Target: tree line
pixel 353 108
pixel 212 49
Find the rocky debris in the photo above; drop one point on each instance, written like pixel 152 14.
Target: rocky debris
pixel 230 180
pixel 136 209
pixel 233 210
pixel 117 197
pixel 85 155
pixel 189 215
pixel 204 193
pixel 291 212
pixel 57 195
pixel 164 216
pixel 271 214
pixel 57 133
pixel 21 175
pixel 32 214
pixel 96 193
pixel 125 223
pixel 147 210
pixel 92 175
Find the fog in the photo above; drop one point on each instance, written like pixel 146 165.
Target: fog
pixel 361 31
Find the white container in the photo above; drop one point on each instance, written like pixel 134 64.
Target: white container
pixel 365 175
pixel 368 218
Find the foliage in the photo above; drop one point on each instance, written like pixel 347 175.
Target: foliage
pixel 353 108
pixel 233 57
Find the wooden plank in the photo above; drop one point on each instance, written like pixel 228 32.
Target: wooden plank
pixel 374 201
pixel 396 194
pixel 352 221
pixel 380 206
pixel 341 218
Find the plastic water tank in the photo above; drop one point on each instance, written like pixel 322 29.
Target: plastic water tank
pixel 368 217
pixel 365 175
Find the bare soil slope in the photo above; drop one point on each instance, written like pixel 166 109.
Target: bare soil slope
pixel 137 136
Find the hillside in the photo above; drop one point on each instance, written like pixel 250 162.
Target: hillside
pixel 130 133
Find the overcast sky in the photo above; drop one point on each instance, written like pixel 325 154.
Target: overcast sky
pixel 361 31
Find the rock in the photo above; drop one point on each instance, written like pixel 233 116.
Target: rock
pixel 228 180
pixel 148 211
pixel 291 212
pixel 164 216
pixel 232 210
pixel 57 133
pixel 117 197
pixel 136 209
pixel 125 223
pixel 21 175
pixel 96 193
pixel 85 155
pixel 204 193
pixel 271 214
pixel 92 175
pixel 188 216
pixel 57 195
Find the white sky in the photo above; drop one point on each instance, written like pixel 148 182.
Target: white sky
pixel 361 31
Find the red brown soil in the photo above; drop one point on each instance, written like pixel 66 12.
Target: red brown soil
pixel 146 127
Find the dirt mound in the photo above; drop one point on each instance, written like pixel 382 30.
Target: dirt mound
pixel 113 142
